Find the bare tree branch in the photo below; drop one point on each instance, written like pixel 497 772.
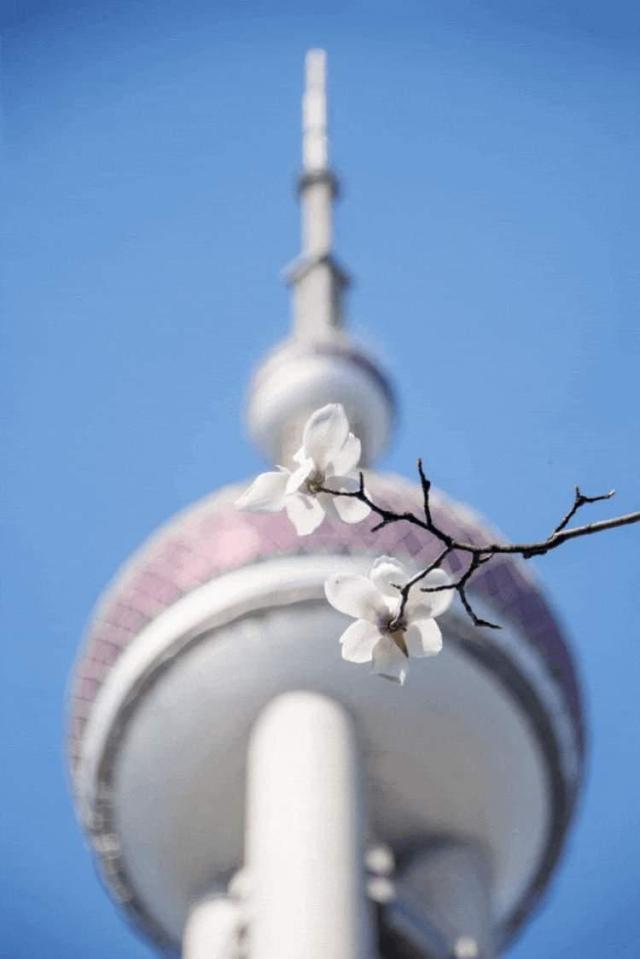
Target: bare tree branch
pixel 477 559
pixel 581 500
pixel 478 555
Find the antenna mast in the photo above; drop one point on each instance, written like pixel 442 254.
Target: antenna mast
pixel 318 281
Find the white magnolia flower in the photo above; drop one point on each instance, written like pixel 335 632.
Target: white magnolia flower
pixel 328 457
pixel 374 602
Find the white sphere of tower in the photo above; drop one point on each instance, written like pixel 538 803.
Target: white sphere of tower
pixel 303 375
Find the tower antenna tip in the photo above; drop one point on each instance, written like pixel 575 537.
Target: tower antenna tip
pixel 315 154
pixel 316 64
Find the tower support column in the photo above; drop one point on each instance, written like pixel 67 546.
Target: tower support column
pixel 212 930
pixel 304 834
pixel 450 885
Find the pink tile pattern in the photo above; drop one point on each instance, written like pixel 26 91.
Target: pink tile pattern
pixel 212 538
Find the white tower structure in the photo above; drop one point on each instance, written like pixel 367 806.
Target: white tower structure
pixel 249 794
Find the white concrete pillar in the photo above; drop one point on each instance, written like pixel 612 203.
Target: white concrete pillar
pixel 304 834
pixel 212 930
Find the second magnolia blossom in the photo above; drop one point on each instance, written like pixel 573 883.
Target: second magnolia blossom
pixel 380 633
pixel 328 458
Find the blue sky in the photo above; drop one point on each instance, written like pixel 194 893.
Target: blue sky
pixel 489 152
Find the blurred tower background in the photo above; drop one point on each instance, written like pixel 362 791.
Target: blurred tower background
pixel 246 792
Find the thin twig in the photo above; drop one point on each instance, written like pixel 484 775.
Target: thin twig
pixel 477 560
pixel 581 500
pixel 406 589
pixel 426 490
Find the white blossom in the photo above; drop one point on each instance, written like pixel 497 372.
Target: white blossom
pixel 328 457
pixel 374 602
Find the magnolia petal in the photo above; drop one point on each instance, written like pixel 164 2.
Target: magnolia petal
pixel 299 476
pixel 325 433
pixel 389 661
pixel 299 456
pixel 349 510
pixel 422 605
pixel 358 641
pixel 356 596
pixel 423 637
pixel 387 573
pixel 305 512
pixel 328 504
pixel 347 457
pixel 266 494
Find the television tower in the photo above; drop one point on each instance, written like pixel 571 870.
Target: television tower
pixel 249 795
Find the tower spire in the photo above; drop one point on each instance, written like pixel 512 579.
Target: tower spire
pixel 318 363
pixel 317 280
pixel 317 183
pixel 315 148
